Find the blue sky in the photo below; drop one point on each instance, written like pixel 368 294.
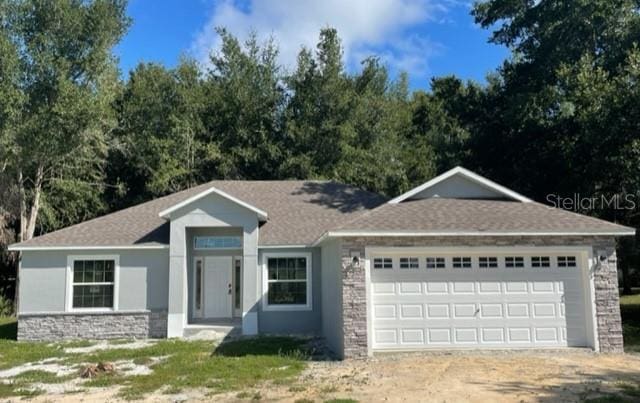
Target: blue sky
pixel 426 38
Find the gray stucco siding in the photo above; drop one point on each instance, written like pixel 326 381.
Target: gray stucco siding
pixel 142 284
pixel 294 321
pixel 332 325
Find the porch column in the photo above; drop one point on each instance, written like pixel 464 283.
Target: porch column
pixel 177 304
pixel 251 287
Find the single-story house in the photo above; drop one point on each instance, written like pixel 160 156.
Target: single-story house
pixel 458 262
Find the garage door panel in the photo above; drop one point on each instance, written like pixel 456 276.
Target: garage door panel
pixel 439 335
pixel 410 288
pixel 466 335
pixel 438 311
pixel 463 287
pixel 412 336
pixel 438 287
pixel 492 335
pixel 411 311
pixel 492 307
pixel 464 310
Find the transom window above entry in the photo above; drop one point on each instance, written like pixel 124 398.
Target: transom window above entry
pixel 566 261
pixel 540 261
pixel 514 261
pixel 409 263
pixel 435 263
pixel 461 262
pixel 382 263
pixel 217 242
pixel 488 262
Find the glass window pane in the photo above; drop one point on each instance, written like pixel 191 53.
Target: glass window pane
pixel 99 271
pixel 88 271
pixel 290 293
pixel 78 271
pixel 93 296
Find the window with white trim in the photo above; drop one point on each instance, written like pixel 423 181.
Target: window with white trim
pixel 409 263
pixel 566 261
pixel 288 281
pixel 514 261
pixel 488 262
pixel 461 262
pixel 93 283
pixel 540 261
pixel 382 263
pixel 435 263
pixel 217 242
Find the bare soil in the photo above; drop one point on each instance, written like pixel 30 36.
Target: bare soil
pixel 496 376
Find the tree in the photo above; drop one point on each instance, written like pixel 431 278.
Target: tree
pixel 161 144
pixel 245 98
pixel 65 83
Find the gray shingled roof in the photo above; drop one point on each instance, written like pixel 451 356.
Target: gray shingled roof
pixel 472 215
pixel 299 212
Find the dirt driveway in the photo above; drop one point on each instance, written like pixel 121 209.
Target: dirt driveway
pixel 466 376
pixel 478 377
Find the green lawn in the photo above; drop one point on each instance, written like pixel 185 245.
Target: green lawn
pixel 176 364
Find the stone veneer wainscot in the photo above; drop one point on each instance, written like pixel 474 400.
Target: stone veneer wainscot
pixel 98 325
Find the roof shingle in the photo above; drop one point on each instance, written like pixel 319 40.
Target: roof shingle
pixel 473 215
pixel 299 212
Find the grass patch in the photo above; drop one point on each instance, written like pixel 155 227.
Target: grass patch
pixel 630 310
pixel 233 366
pixel 42 377
pixel 17 388
pixel 8 328
pixel 14 353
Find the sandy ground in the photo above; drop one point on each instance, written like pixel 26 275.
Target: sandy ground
pixel 466 376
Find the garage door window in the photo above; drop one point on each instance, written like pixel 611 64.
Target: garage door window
pixel 514 261
pixel 435 263
pixel 540 261
pixel 566 261
pixel 461 262
pixel 409 263
pixel 488 262
pixel 382 263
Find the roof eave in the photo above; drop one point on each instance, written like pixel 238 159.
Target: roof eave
pixel 22 248
pixel 335 234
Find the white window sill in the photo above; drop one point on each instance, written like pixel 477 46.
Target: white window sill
pixel 280 308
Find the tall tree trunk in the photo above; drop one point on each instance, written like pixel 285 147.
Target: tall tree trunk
pixel 35 203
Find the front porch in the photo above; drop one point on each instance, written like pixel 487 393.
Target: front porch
pixel 215 329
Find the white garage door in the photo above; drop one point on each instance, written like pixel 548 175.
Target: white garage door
pixel 428 299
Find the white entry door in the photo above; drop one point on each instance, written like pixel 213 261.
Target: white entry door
pixel 217 287
pixel 474 298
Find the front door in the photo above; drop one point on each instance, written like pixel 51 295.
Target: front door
pixel 217 287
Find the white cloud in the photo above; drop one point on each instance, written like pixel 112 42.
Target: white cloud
pixel 366 27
